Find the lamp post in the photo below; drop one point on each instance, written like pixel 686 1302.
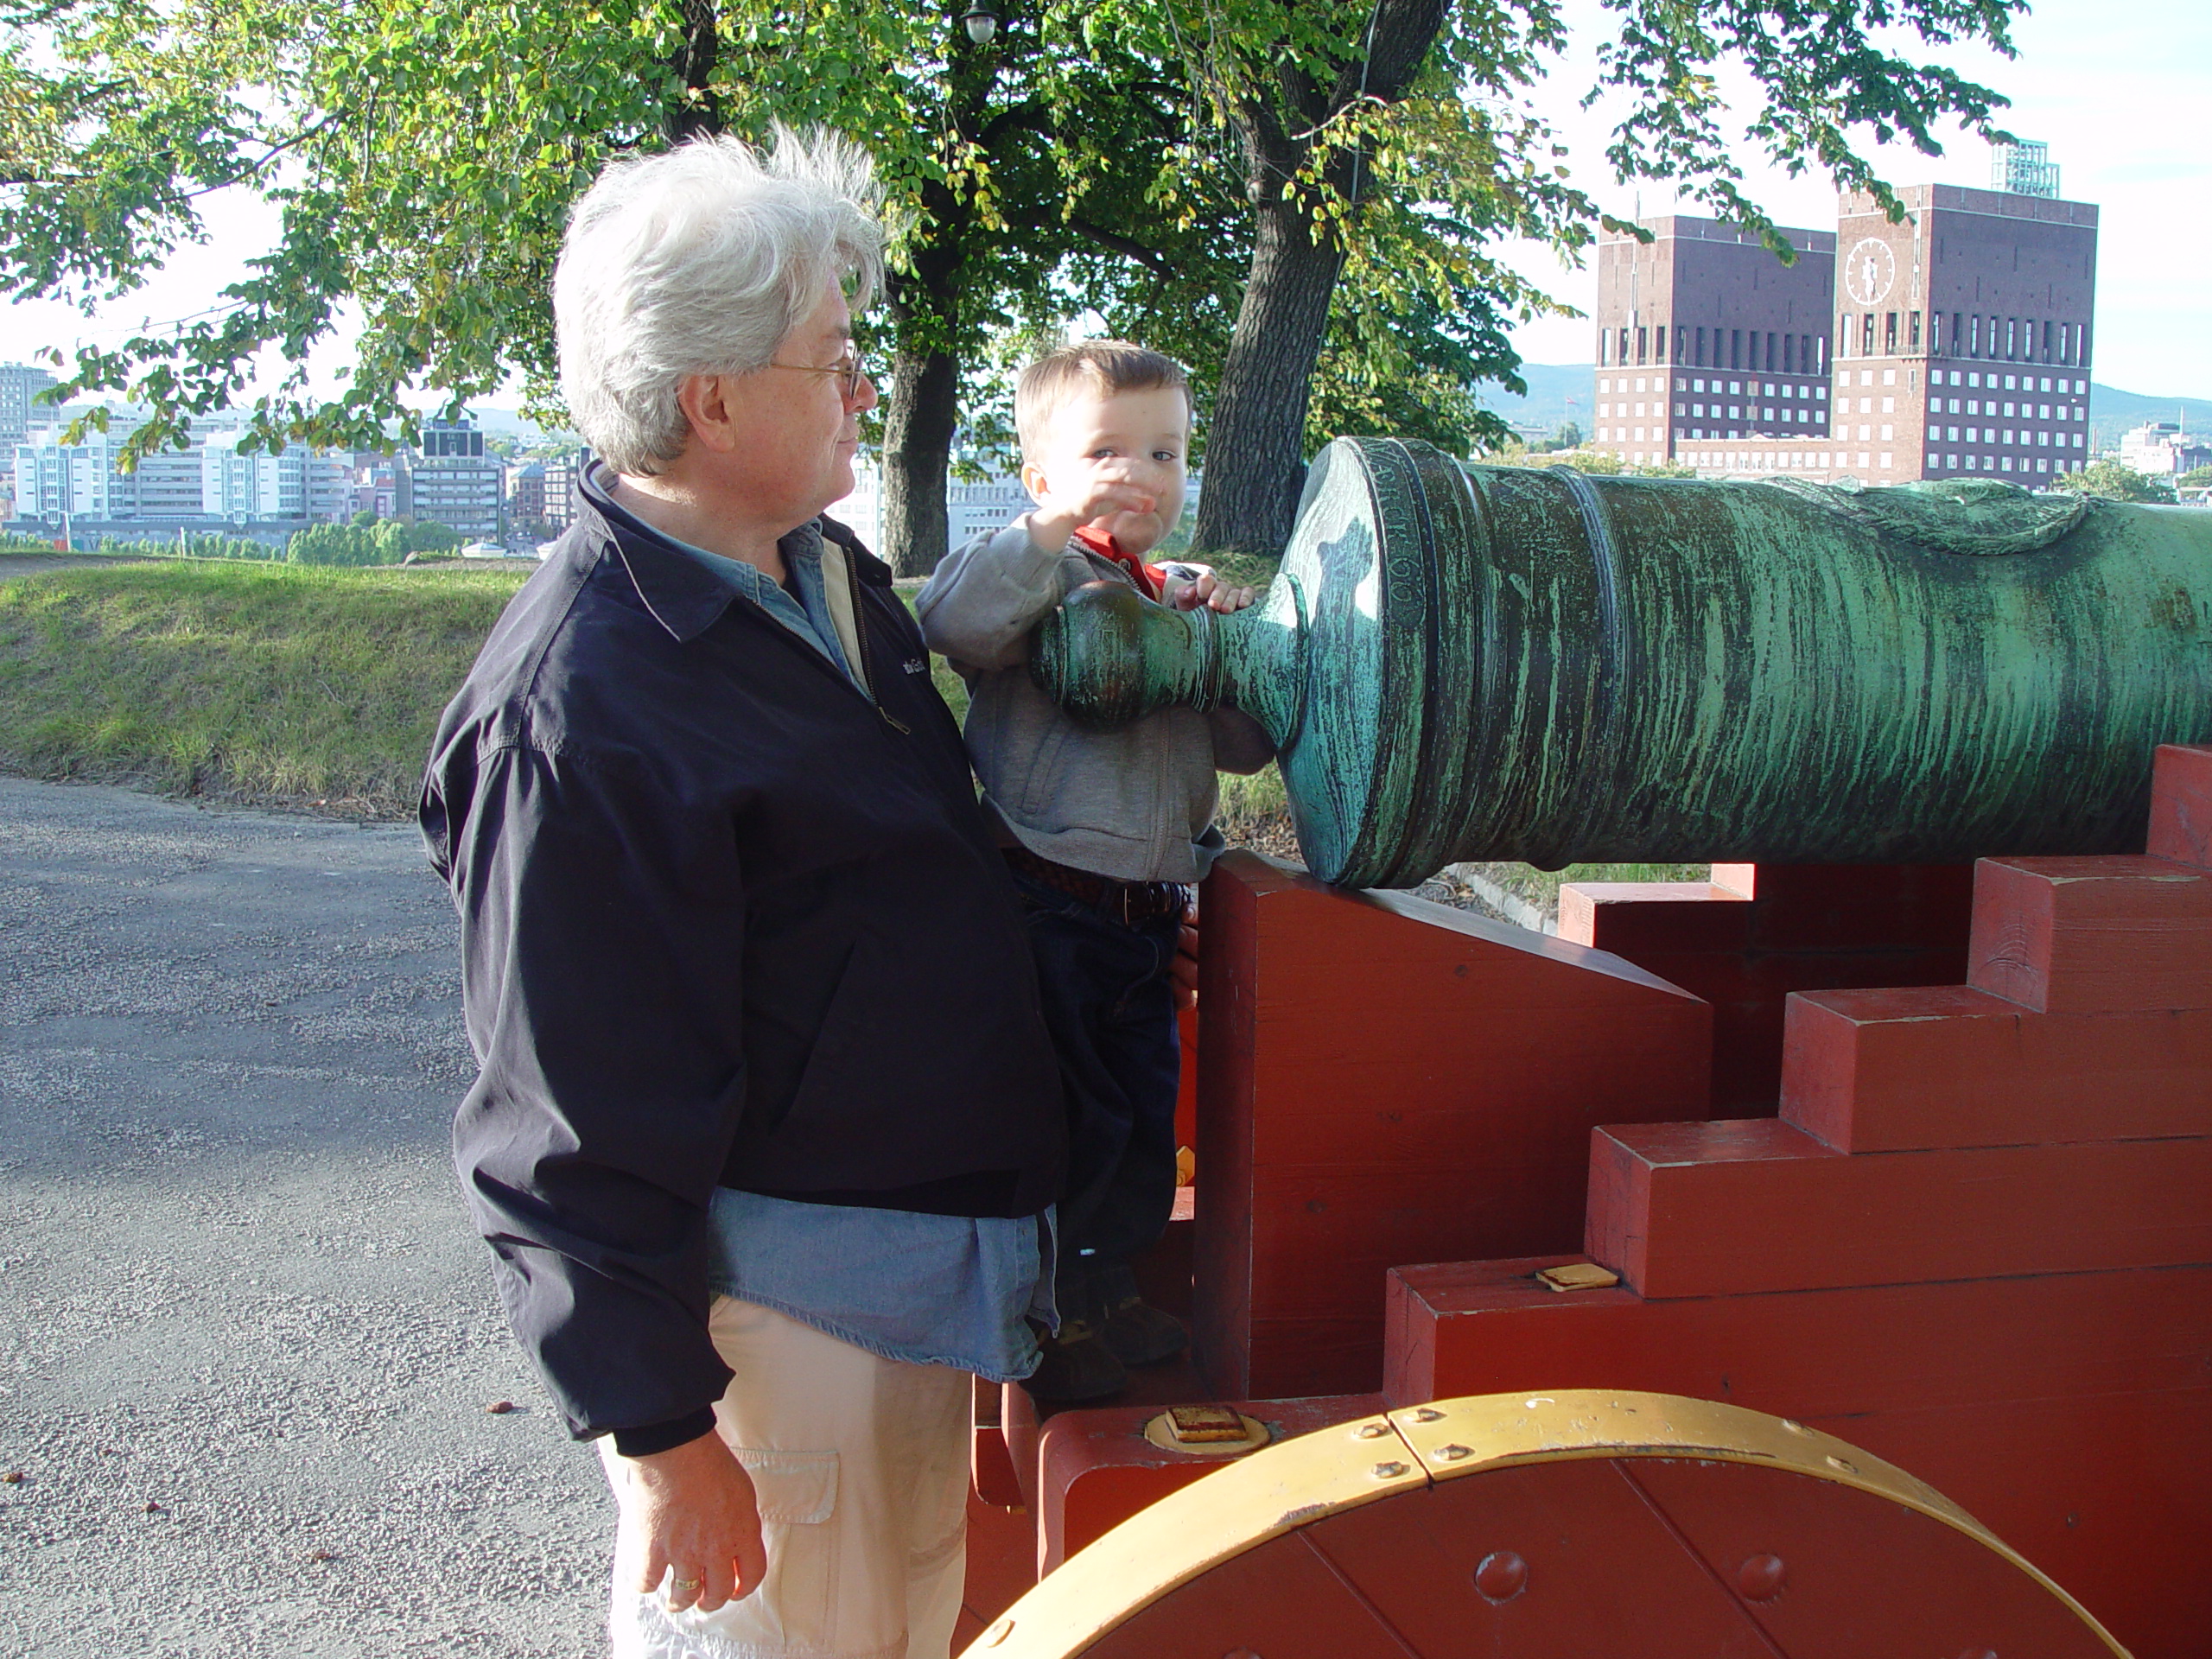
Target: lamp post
pixel 981 22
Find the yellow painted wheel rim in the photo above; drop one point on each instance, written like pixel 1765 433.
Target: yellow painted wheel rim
pixel 1245 1503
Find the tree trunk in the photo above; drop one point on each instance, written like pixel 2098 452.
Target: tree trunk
pixel 1256 457
pixel 700 114
pixel 918 429
pixel 1255 452
pixel 924 408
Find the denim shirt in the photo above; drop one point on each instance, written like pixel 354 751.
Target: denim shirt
pixel 929 1290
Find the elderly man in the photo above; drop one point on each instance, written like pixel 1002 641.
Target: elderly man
pixel 767 1123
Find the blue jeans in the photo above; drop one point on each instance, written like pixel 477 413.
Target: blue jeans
pixel 1110 1008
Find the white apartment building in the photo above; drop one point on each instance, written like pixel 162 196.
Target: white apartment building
pixel 563 475
pixel 2163 450
pixel 79 478
pixel 19 383
pixel 212 480
pixel 451 481
pixel 463 493
pixel 83 481
pixel 239 485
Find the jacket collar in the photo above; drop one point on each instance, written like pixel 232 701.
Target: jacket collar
pixel 680 591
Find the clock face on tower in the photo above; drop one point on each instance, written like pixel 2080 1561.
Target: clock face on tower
pixel 1869 270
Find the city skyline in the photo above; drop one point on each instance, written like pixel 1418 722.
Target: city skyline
pixel 1857 361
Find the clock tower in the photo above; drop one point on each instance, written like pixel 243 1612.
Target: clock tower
pixel 1961 344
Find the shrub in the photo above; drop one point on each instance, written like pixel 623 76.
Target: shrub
pixel 2117 481
pixel 192 544
pixel 386 542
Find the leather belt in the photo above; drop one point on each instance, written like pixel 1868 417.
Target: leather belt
pixel 1130 903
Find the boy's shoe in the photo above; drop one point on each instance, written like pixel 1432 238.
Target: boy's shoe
pixel 1137 1333
pixel 1077 1366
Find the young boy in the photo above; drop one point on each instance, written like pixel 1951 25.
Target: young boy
pixel 1103 831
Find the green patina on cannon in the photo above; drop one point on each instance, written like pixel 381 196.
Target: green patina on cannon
pixel 1500 663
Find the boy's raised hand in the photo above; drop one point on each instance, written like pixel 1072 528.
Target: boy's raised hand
pixel 1096 494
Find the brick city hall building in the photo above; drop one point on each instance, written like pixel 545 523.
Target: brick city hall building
pixel 1954 344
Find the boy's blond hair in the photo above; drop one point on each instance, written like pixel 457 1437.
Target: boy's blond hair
pixel 1102 367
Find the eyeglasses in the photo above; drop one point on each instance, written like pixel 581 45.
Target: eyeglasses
pixel 847 367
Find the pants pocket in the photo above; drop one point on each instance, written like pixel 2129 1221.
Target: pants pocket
pixel 797 1493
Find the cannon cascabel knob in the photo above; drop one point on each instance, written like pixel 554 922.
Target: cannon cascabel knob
pixel 1109 655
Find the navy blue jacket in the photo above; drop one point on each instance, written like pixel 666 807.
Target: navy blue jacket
pixel 725 919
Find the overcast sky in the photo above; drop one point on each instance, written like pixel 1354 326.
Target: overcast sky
pixel 2111 89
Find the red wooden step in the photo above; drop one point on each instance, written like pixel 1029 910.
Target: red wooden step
pixel 2071 1414
pixel 2087 935
pixel 1774 907
pixel 2181 805
pixel 1634 917
pixel 1883 1070
pixel 1748 1204
pixel 1755 933
pixel 1490 1327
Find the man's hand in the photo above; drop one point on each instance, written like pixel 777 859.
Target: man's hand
pixel 1097 495
pixel 1183 972
pixel 693 1510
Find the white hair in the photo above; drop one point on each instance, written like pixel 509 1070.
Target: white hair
pixel 702 260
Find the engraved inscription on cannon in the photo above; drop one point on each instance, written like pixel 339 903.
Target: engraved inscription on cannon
pixel 1499 662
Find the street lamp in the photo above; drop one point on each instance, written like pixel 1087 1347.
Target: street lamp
pixel 981 22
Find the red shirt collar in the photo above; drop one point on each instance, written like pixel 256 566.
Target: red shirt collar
pixel 1150 579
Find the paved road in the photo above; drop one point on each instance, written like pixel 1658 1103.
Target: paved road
pixel 246 1336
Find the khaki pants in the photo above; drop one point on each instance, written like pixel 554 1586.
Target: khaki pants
pixel 861 1467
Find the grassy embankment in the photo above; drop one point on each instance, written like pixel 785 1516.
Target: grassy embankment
pixel 285 684
pixel 275 683
pixel 316 687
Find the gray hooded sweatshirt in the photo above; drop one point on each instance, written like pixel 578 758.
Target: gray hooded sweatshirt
pixel 1136 803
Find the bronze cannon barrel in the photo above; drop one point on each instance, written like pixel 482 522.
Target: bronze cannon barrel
pixel 1501 662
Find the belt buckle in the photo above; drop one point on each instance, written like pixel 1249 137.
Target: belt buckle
pixel 1161 900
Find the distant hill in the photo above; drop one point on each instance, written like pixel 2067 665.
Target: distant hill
pixel 1557 393
pixel 507 424
pixel 2111 411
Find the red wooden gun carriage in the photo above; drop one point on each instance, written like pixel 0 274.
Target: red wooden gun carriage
pixel 1816 1260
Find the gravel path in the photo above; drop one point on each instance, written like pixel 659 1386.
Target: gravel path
pixel 247 1338
pixel 29 564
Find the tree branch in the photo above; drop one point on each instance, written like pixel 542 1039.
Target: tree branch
pixel 1023 115
pixel 1151 258
pixel 1398 35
